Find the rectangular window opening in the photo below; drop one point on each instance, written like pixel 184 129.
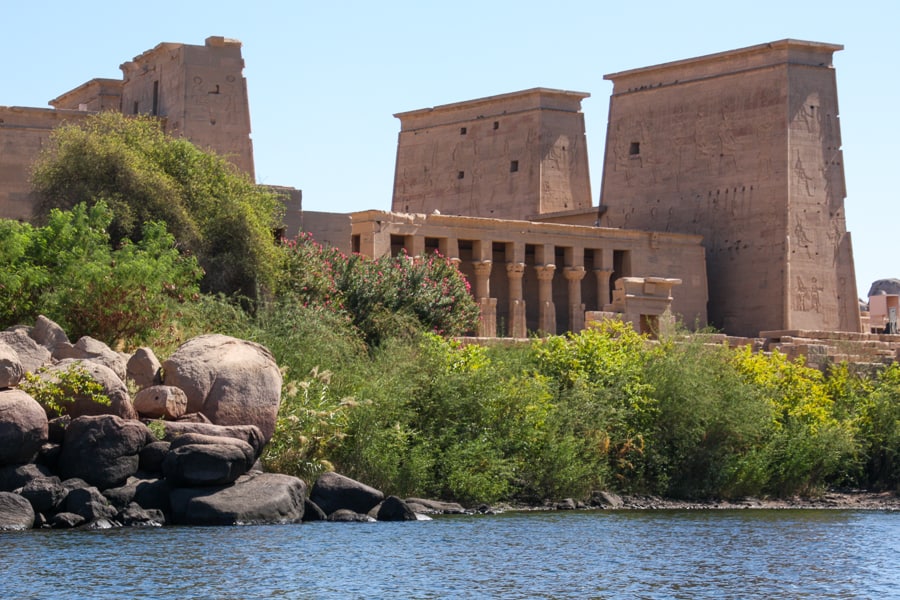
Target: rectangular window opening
pixel 513 166
pixel 461 175
pixel 462 131
pixel 634 149
pixel 496 124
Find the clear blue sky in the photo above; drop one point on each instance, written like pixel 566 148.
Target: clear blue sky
pixel 325 78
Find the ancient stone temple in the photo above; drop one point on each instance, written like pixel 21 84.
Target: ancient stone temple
pixel 722 196
pixel 199 93
pixel 743 148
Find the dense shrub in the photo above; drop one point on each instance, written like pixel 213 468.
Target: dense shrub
pixel 382 296
pixel 68 271
pixel 806 445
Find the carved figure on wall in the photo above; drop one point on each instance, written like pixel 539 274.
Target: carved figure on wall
pixel 808 116
pixel 801 238
pixel 803 178
pixel 808 297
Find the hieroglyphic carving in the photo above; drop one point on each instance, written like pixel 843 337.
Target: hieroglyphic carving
pixel 801 238
pixel 804 178
pixel 808 115
pixel 807 298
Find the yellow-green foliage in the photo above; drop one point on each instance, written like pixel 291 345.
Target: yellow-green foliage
pixel 807 444
pixel 57 393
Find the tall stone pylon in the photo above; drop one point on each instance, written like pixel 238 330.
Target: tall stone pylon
pixel 199 91
pixel 744 148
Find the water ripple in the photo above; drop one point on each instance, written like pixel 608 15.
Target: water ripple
pixel 609 555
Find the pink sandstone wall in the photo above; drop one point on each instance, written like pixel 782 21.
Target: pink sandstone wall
pixel 508 156
pixel 727 147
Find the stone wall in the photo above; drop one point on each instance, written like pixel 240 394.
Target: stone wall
pixel 505 157
pixel 24 132
pixel 743 148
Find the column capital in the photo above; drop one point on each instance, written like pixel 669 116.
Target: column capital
pixel 544 272
pixel 574 273
pixel 515 269
pixel 482 267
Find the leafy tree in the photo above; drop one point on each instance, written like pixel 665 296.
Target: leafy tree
pixel 214 211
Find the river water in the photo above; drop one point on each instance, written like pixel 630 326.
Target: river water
pixel 615 554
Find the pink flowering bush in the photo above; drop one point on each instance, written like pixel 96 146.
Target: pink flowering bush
pixel 380 296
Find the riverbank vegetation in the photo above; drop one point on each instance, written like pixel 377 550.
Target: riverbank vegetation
pixel 377 388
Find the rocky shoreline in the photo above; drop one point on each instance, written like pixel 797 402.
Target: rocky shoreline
pixel 185 450
pixel 830 500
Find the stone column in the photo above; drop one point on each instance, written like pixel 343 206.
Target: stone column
pixel 603 276
pixel 517 327
pixel 547 319
pixel 574 275
pixel 414 244
pixel 482 278
pixel 487 323
pixel 449 247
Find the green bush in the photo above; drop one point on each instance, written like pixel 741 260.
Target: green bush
pixel 68 271
pixel 879 431
pixel 709 417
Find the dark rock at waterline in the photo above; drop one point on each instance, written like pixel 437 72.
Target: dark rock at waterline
pixel 16 513
pixel 103 450
pixel 253 499
pixel 566 504
pixel 333 492
pixel 13 477
pixel 426 506
pixel 135 515
pixel 395 509
pixel 148 492
pixel 154 494
pixel 66 520
pixel 45 495
pixel 312 512
pixel 103 523
pixel 195 459
pixel 606 499
pixel 90 504
pixel 343 515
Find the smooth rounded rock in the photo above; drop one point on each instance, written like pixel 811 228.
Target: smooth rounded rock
pixel 231 381
pixel 23 427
